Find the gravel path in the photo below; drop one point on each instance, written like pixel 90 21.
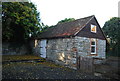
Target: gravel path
pixel 25 70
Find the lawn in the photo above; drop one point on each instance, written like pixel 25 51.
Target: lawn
pixel 19 57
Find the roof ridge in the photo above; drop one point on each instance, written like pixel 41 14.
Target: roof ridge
pixel 86 17
pixel 70 21
pixel 75 20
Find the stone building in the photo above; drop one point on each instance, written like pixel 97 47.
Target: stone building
pixel 65 42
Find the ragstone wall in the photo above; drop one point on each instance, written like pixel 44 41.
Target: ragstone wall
pixel 64 51
pixel 83 45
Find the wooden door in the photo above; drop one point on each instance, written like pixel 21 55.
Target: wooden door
pixel 43 48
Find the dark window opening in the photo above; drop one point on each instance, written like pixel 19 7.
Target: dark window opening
pixel 93 46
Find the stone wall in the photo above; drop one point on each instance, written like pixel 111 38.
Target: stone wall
pixel 83 47
pixel 102 49
pixel 64 51
pixel 9 48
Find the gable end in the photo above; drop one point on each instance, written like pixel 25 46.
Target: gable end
pixel 86 31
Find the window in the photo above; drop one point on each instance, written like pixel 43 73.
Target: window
pixel 93 46
pixel 93 28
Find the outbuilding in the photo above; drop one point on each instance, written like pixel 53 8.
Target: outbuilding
pixel 66 42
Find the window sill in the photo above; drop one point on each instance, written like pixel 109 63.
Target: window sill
pixel 93 55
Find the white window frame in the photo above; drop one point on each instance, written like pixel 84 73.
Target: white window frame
pixel 95 28
pixel 93 40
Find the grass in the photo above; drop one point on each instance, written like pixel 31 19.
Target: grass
pixel 28 57
pixel 19 57
pixel 46 64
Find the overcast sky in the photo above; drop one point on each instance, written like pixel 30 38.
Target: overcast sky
pixel 52 11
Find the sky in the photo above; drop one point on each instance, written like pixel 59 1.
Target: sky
pixel 52 11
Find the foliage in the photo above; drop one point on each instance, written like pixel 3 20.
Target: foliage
pixel 66 20
pixel 19 19
pixel 112 29
pixel 46 27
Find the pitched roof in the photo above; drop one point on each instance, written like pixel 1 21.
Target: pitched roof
pixel 65 29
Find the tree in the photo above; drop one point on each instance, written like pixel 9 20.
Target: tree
pixel 112 29
pixel 19 19
pixel 45 27
pixel 66 20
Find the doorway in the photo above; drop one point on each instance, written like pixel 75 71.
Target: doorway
pixel 43 48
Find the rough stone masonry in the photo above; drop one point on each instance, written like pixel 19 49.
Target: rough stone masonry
pixel 64 51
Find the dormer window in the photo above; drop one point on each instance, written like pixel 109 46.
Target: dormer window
pixel 93 28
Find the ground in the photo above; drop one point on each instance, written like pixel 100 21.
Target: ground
pixel 110 68
pixel 40 69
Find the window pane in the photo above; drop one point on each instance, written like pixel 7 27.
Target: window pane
pixel 93 28
pixel 92 49
pixel 93 43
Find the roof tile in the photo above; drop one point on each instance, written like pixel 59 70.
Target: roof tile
pixel 65 29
